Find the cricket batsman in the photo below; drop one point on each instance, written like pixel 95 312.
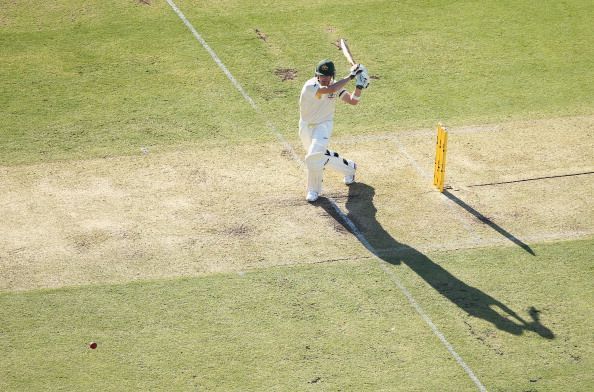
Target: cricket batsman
pixel 317 105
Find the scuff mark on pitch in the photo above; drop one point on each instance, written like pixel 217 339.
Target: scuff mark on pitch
pixel 286 73
pixel 260 34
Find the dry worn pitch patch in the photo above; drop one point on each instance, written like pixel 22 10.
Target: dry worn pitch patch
pixel 205 210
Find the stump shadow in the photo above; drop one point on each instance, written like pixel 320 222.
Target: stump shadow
pixel 487 221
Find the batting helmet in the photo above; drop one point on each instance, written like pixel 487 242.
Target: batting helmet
pixel 325 68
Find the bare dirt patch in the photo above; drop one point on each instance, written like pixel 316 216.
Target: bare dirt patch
pixel 158 215
pixel 286 73
pixel 204 210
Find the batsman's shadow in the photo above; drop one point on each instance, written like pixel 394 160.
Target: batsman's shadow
pixel 362 212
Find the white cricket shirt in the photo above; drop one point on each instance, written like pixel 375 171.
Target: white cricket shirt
pixel 315 108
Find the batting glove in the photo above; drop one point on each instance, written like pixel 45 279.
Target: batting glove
pixel 362 79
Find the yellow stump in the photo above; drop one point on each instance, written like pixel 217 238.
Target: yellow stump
pixel 440 157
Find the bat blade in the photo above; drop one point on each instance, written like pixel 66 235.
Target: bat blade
pixel 347 52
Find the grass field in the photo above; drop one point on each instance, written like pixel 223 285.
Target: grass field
pixel 340 326
pixel 147 206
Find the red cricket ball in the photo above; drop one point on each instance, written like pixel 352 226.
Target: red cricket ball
pixel 93 345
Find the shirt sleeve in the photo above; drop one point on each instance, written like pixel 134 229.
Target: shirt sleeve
pixel 311 90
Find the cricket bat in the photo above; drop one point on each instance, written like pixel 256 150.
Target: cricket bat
pixel 347 52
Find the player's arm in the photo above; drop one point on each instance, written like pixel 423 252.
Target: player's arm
pixel 361 82
pixel 352 98
pixel 336 86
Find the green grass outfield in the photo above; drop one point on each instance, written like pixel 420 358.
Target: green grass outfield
pixel 95 79
pixel 341 326
pixel 106 78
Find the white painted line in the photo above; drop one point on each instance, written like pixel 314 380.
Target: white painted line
pixel 433 327
pixel 385 267
pixel 213 55
pixel 234 81
pixel 351 225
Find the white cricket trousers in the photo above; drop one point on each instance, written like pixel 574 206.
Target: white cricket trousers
pixel 315 139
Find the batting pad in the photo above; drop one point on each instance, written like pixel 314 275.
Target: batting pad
pixel 315 171
pixel 340 164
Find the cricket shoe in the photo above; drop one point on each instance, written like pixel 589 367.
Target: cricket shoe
pixel 311 196
pixel 348 180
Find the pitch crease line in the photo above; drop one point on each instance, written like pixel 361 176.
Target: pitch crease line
pixel 351 225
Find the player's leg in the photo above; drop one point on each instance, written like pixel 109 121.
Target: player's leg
pixel 315 158
pixel 333 159
pixel 305 134
pixel 345 166
pixel 315 175
pixel 312 163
